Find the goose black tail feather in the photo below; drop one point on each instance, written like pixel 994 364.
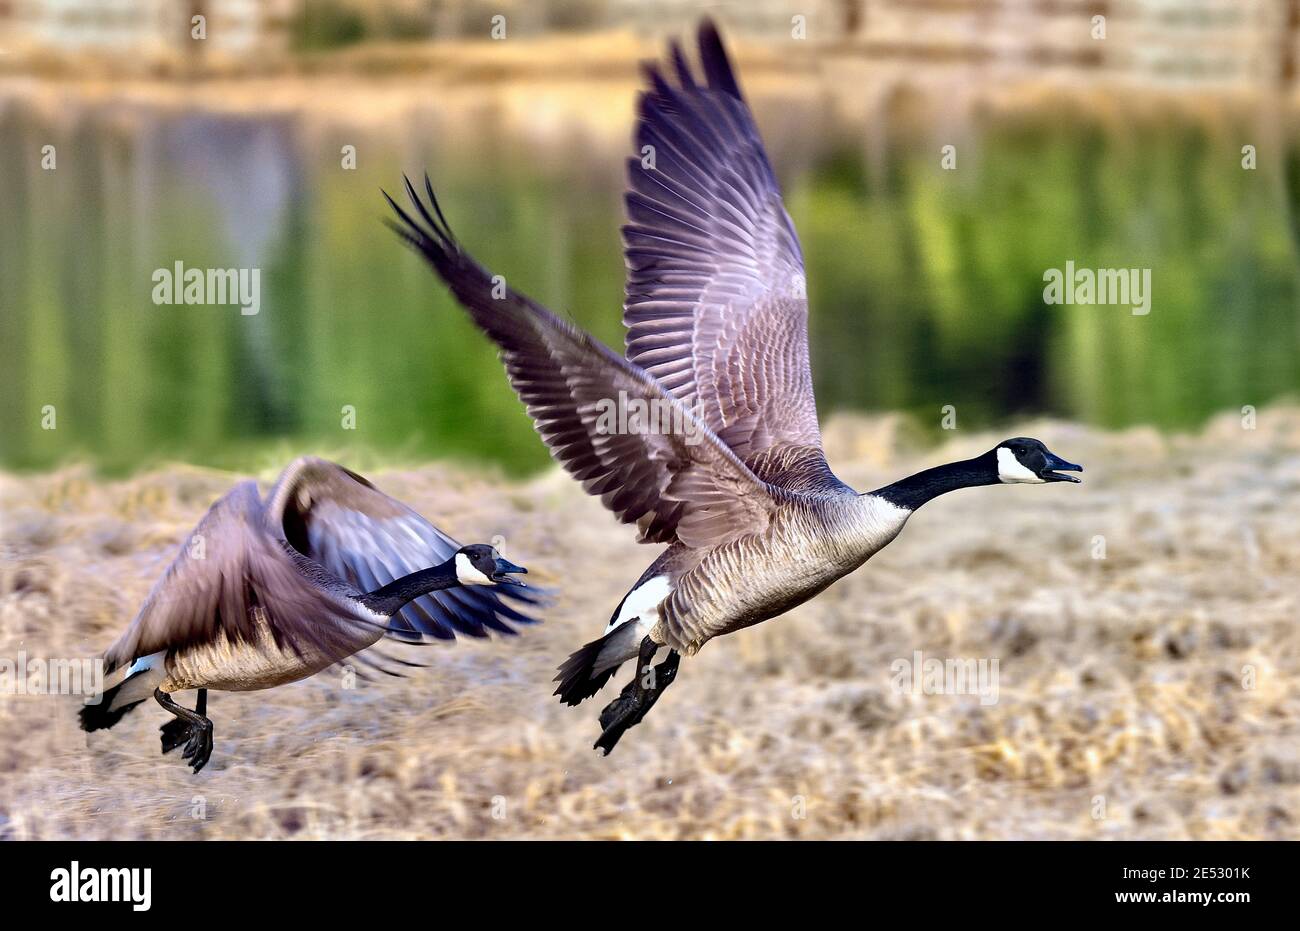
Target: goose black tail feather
pixel 103 715
pixel 577 683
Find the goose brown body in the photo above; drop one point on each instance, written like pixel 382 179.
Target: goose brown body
pixel 810 543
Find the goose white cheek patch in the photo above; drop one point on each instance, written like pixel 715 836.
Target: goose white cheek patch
pixel 466 574
pixel 1011 471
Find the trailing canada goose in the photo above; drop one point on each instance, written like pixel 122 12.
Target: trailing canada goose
pixel 269 591
pixel 716 312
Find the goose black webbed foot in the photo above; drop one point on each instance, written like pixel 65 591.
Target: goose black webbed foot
pixel 617 716
pixel 174 733
pixel 199 748
pixel 637 697
pixel 190 728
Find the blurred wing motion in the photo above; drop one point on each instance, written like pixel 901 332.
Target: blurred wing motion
pixel 229 575
pixel 363 536
pixel 679 484
pixel 716 304
pixel 298 562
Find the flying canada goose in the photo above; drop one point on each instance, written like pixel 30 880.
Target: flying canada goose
pixel 269 591
pixel 755 521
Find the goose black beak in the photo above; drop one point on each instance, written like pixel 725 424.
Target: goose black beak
pixel 504 567
pixel 1054 466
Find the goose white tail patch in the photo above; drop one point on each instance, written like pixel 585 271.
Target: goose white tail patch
pixel 142 677
pixel 466 574
pixel 152 661
pixel 642 603
pixel 1012 471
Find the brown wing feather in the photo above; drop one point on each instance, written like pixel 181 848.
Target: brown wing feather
pixel 680 484
pixel 716 303
pixel 229 574
pixel 360 534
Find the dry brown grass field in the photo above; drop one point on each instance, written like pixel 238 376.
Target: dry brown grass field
pixel 1154 693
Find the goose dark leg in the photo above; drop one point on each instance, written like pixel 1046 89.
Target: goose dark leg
pixel 190 727
pixel 178 731
pixel 664 675
pixel 637 697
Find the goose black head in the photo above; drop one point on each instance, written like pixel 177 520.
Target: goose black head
pixel 480 564
pixel 1024 460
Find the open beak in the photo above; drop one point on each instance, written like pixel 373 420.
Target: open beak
pixel 503 570
pixel 1056 465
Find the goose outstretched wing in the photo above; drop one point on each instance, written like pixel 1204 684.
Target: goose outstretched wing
pixel 674 478
pixel 340 520
pixel 716 302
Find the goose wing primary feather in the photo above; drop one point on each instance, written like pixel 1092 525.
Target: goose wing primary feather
pixel 716 305
pixel 229 574
pixel 339 519
pixel 675 484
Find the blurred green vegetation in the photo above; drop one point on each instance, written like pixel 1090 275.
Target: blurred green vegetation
pixel 321 25
pixel 926 285
pixel 326 24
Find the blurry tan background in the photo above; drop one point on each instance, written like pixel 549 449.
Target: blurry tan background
pixel 1121 710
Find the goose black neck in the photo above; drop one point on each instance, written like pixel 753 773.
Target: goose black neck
pixel 388 599
pixel 915 490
